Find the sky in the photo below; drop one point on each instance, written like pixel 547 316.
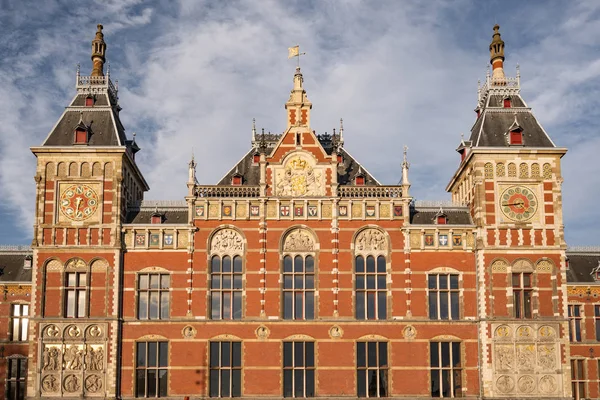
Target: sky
pixel 193 75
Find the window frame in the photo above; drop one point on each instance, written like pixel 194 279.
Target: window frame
pixel 365 290
pixel 575 316
pixel 378 368
pixel 232 291
pixel 146 368
pixel 304 368
pixel 149 290
pixel 293 274
pixel 578 385
pixel 520 292
pixel 438 290
pixel 452 370
pixel 21 321
pixel 77 290
pixel 19 383
pixel 597 324
pixel 220 368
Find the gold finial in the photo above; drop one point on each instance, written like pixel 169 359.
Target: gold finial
pixel 98 53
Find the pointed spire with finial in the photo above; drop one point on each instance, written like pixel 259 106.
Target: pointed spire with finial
pixel 253 130
pixel 298 106
pixel 405 167
pixel 98 53
pixel 497 57
pixel 192 172
pixel 341 140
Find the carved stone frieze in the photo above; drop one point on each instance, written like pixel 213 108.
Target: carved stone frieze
pixel 546 333
pixel 547 384
pixel 51 358
pixel 526 384
pixel 371 240
pixel 50 384
pixel 525 357
pixel 546 356
pixel 299 240
pixel 524 333
pixel 52 331
pixel 73 357
pixel 262 332
pixel 75 263
pixel 72 383
pixel 505 357
pixel 227 241
pixel 72 332
pixel 503 331
pixel 505 384
pixel 95 358
pixel 93 332
pixel 93 383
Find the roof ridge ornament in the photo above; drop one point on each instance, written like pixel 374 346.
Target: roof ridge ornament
pixel 98 53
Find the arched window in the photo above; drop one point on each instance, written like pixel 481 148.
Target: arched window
pixel 226 275
pixel 370 274
pixel 76 287
pixel 298 288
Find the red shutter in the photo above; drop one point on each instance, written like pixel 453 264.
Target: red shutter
pixel 89 101
pixel 516 137
pixel 360 180
pixel 507 103
pixel 80 136
pixel 441 220
pixel 156 219
pixel 237 180
pixel 256 158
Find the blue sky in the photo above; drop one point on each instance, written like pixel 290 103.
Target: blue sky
pixel 193 74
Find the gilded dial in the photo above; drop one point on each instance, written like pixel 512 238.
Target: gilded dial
pixel 518 203
pixel 78 202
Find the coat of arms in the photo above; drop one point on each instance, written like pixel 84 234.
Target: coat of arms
pixel 254 211
pixel 284 211
pixel 140 239
pixel 428 240
pixel 154 239
pixel 397 211
pixel 443 239
pixel 298 178
pixel 457 240
pixel 298 211
pixel 168 240
pixel 312 211
pixel 227 211
pixel 370 211
pixel 199 211
pixel 343 211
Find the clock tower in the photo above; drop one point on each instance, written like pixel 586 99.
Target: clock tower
pixel 510 177
pixel 86 176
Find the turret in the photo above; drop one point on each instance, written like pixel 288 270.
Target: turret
pixel 98 53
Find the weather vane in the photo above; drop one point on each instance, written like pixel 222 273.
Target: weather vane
pixel 295 52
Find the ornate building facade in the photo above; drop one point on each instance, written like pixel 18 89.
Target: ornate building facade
pixel 299 274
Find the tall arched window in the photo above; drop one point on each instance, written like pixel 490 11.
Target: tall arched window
pixel 76 288
pixel 298 288
pixel 370 274
pixel 226 275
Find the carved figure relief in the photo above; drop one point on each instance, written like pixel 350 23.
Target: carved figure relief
pixel 75 263
pixel 189 332
pixel 335 332
pixel 505 384
pixel 525 357
pixel 299 178
pixel 94 331
pixel 523 332
pixel 503 331
pixel 371 240
pixel 409 332
pixel 71 384
pixel 95 359
pixel 73 331
pixel 526 384
pixel 50 383
pixel 262 332
pixel 51 358
pixel 546 333
pixel 93 383
pixel 299 240
pixel 547 384
pixel 546 356
pixel 505 357
pixel 52 331
pixel 226 241
pixel 73 358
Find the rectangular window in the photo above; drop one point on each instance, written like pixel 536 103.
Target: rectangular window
pixel 16 378
pixel 299 287
pixel 516 137
pixel 298 369
pixel 225 376
pixel 578 379
pixel 226 284
pixel 444 296
pixel 575 323
pixel 80 136
pixel 597 323
pixel 153 296
pixel 371 287
pixel 75 294
pixel 152 361
pixel 371 369
pixel 19 322
pixel 522 294
pixel 446 369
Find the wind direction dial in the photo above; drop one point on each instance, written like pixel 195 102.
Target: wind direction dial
pixel 78 202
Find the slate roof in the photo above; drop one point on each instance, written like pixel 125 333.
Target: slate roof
pixel 12 263
pixel 581 264
pixel 492 126
pixel 172 212
pixel 347 170
pixel 427 215
pixel 102 119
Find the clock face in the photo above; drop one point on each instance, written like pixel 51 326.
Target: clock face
pixel 518 203
pixel 78 202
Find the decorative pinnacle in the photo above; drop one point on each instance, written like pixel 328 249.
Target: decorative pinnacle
pixel 98 53
pixel 253 129
pixel 497 45
pixel 405 162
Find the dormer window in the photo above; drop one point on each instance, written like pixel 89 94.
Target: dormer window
pixel 442 220
pixel 236 180
pixel 360 180
pixel 507 102
pixel 463 155
pixel 256 158
pixel 89 101
pixel 516 137
pixel 156 219
pixel 81 136
pixel 339 159
pixel 27 262
pixel 596 273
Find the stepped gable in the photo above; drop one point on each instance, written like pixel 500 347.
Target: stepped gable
pixel 500 108
pixel 13 260
pixel 583 263
pixel 95 106
pixel 171 212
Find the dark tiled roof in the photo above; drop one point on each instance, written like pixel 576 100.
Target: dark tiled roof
pixel 144 216
pixel 581 265
pixel 491 128
pixel 102 119
pixel 427 216
pixel 12 266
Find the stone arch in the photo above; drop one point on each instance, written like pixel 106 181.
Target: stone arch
pixel 512 170
pixel 225 336
pixel 523 170
pixel 371 239
pixel 154 269
pixel 444 270
pixel 86 170
pixel 151 337
pixel 488 170
pixel 373 337
pixel 99 264
pixel 300 336
pixel 96 169
pixel 76 263
pixel 522 265
pixel 226 240
pixel 545 265
pixel 500 169
pixel 535 170
pixel 499 265
pixel 108 170
pixel 446 338
pixel 53 264
pixel 62 169
pixel 73 169
pixel 50 170
pixel 298 239
pixel 547 171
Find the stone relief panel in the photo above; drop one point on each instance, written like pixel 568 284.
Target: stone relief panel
pixel 299 176
pixel 227 241
pixel 369 240
pixel 299 240
pixel 73 360
pixel 526 360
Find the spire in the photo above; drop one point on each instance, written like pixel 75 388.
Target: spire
pixel 298 106
pixel 497 57
pixel 341 140
pixel 253 130
pixel 405 167
pixel 98 53
pixel 191 175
